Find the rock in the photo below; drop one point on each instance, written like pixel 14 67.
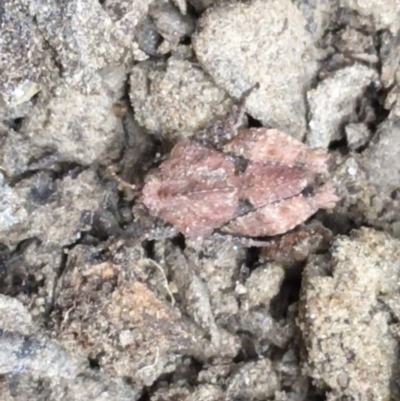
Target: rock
pixel 45 43
pixel 366 182
pixel 169 22
pixel 182 6
pixel 163 21
pixel 318 15
pixel 175 98
pixel 381 159
pixel 131 328
pixel 333 103
pixel 264 331
pixel 83 38
pixel 385 13
pixel 147 36
pixel 11 116
pixel 56 212
pixel 25 61
pixel 32 363
pixel 15 317
pixel 89 132
pixel 357 135
pixel 254 380
pixel 344 326
pixel 30 276
pixel 171 393
pixel 12 211
pixel 356 207
pixel 380 164
pixel 200 281
pixel 390 58
pixel 201 5
pixel 290 368
pixel 241 44
pixel 295 247
pixel 263 284
pixel 127 16
pixel 207 393
pixel 18 155
pixel 114 78
pixel 80 128
pixel 24 92
pixel 95 303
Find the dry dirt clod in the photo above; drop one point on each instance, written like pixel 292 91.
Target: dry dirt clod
pixel 175 98
pixel 253 380
pixel 340 95
pixel 30 358
pixel 296 246
pixel 130 324
pixel 90 132
pixel 384 13
pixel 357 135
pixel 242 43
pixel 170 22
pixel 345 328
pixel 367 183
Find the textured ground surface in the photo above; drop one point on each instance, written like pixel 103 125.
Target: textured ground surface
pixel 91 305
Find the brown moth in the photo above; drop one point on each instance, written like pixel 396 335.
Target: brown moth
pixel 262 182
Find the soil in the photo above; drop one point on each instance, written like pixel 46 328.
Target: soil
pixel 101 299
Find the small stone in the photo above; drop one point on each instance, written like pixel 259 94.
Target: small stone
pixel 169 22
pixel 357 135
pixel 241 44
pixel 333 103
pixel 175 99
pixel 383 12
pixel 345 326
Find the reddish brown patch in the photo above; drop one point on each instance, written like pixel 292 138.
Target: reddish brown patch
pixel 198 189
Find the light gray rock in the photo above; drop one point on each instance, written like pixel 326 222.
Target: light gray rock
pixel 263 284
pixel 182 6
pixel 175 98
pixel 169 22
pixel 368 182
pixel 382 159
pixel 53 211
pixel 318 14
pixel 12 211
pixel 126 15
pixel 63 126
pixel 207 392
pixel 25 61
pixel 44 43
pixel 390 58
pixel 81 35
pixel 32 364
pixel 147 36
pixel 357 135
pixel 15 317
pixel 244 43
pixel 254 380
pixel 385 13
pixel 80 128
pixel 9 114
pixel 333 103
pixel 349 345
pixel 18 155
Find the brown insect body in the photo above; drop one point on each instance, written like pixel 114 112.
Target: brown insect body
pixel 199 189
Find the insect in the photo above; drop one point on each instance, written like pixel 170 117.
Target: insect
pixel 259 182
